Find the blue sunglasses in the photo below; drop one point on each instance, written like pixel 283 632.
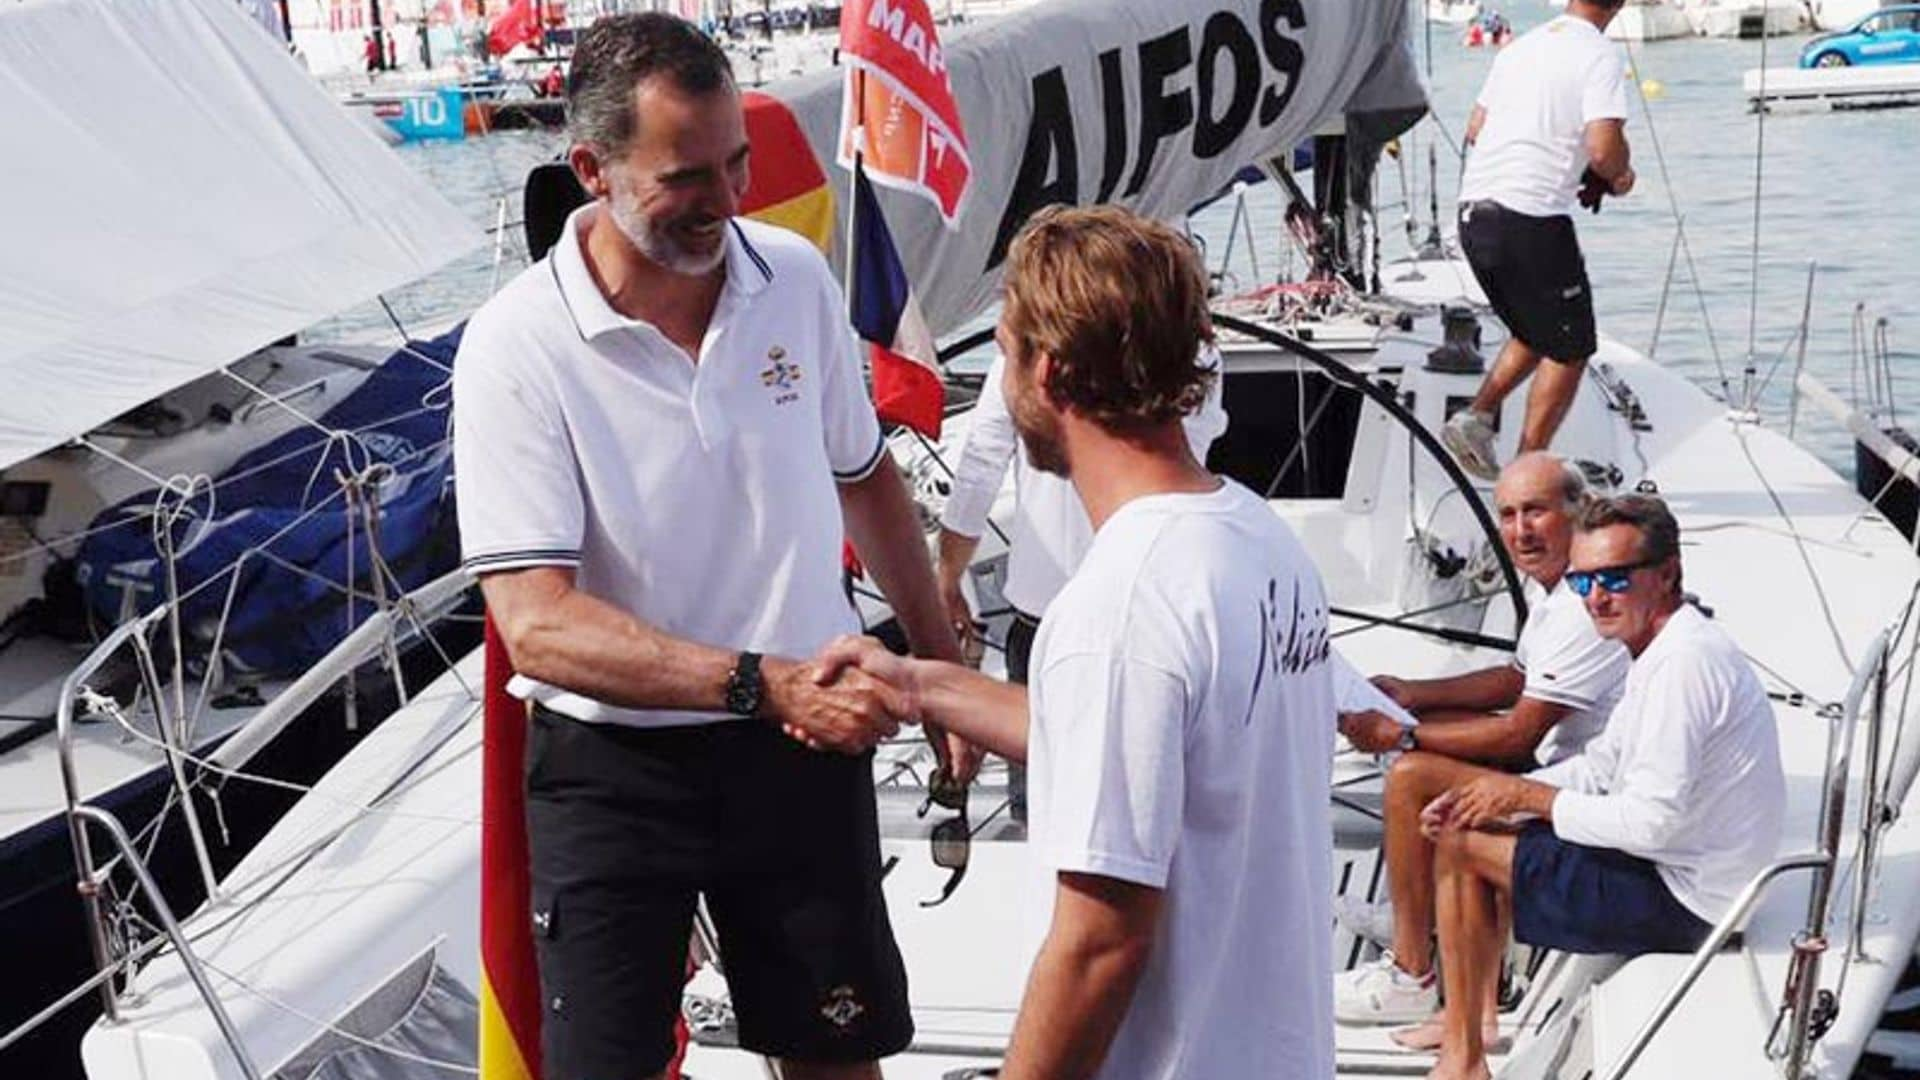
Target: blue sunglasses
pixel 1614 579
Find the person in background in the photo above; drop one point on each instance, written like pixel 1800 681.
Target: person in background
pixel 1643 840
pixel 1550 122
pixel 1543 707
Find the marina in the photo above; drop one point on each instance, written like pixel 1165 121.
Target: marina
pixel 1751 371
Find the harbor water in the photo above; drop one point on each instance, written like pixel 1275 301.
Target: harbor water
pixel 1833 190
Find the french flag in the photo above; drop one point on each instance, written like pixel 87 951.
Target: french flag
pixel 886 314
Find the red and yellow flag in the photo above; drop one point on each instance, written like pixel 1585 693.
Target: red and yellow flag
pixel 787 186
pixel 509 982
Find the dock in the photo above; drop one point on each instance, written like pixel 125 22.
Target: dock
pixel 1879 87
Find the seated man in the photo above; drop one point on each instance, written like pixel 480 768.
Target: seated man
pixel 1562 683
pixel 1642 840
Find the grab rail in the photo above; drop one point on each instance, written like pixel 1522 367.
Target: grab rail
pixel 1724 929
pixel 1804 969
pixel 372 637
pixel 168 924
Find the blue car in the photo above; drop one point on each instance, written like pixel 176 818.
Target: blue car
pixel 1888 36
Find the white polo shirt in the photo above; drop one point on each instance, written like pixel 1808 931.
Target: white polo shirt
pixel 1182 739
pixel 1050 532
pixel 1543 91
pixel 1566 662
pixel 699 497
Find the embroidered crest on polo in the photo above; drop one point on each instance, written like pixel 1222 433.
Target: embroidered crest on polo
pixel 841 1007
pixel 782 375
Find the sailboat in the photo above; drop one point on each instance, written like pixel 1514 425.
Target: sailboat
pixel 347 942
pixel 171 228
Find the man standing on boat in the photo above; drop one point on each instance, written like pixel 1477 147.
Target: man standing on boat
pixel 1643 840
pixel 1179 724
pixel 1049 534
pixel 1549 123
pixel 662 437
pixel 1543 707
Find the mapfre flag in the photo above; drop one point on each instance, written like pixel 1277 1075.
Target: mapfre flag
pixel 898 110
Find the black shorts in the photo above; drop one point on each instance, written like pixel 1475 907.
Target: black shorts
pixel 1595 900
pixel 628 827
pixel 1533 275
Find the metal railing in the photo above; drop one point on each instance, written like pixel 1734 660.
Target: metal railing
pixel 374 638
pixel 1802 985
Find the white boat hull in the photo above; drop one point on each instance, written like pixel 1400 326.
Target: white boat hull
pixel 1651 20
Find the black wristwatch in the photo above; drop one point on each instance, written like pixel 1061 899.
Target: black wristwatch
pixel 746 690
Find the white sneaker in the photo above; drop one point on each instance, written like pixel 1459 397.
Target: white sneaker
pixel 1469 437
pixel 1374 922
pixel 1378 992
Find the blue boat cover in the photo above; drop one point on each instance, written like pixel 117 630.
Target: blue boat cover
pixel 288 599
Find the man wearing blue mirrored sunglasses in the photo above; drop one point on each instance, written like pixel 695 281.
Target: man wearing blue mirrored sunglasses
pixel 1641 841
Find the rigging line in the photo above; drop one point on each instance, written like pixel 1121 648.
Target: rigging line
pixel 933 451
pixel 42 545
pixel 1679 222
pixel 456 1067
pixel 1759 172
pixel 151 477
pixel 207 765
pixel 1799 544
pixel 406 339
pixel 281 401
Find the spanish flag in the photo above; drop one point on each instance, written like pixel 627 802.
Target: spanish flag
pixel 509 982
pixel 787 187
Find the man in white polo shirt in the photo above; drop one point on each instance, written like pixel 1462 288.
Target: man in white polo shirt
pixel 1550 122
pixel 1640 842
pixel 1541 708
pixel 1180 735
pixel 662 438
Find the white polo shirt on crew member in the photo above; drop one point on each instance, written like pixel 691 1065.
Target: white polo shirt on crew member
pixel 1543 91
pixel 1182 739
pixel 1050 532
pixel 1566 662
pixel 699 497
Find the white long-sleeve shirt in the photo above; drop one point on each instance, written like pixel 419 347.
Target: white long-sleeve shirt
pixel 1686 773
pixel 1050 532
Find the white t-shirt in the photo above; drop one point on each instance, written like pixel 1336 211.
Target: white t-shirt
pixel 699 497
pixel 1050 532
pixel 1686 774
pixel 1567 662
pixel 1182 738
pixel 1543 91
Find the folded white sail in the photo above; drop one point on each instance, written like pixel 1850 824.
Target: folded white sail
pixel 177 193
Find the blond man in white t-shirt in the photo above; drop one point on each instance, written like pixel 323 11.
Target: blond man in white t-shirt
pixel 1550 122
pixel 1179 725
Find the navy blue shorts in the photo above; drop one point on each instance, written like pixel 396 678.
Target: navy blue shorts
pixel 1595 900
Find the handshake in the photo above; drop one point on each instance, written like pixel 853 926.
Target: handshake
pixel 851 697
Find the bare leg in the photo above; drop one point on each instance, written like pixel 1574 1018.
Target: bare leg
pixel 1471 870
pixel 816 1070
pixel 1415 780
pixel 1510 369
pixel 1554 386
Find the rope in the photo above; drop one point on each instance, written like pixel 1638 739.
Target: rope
pixel 1799 544
pixel 1759 172
pixel 1679 223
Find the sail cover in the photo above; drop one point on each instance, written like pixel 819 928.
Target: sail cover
pixel 177 193
pixel 1154 104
